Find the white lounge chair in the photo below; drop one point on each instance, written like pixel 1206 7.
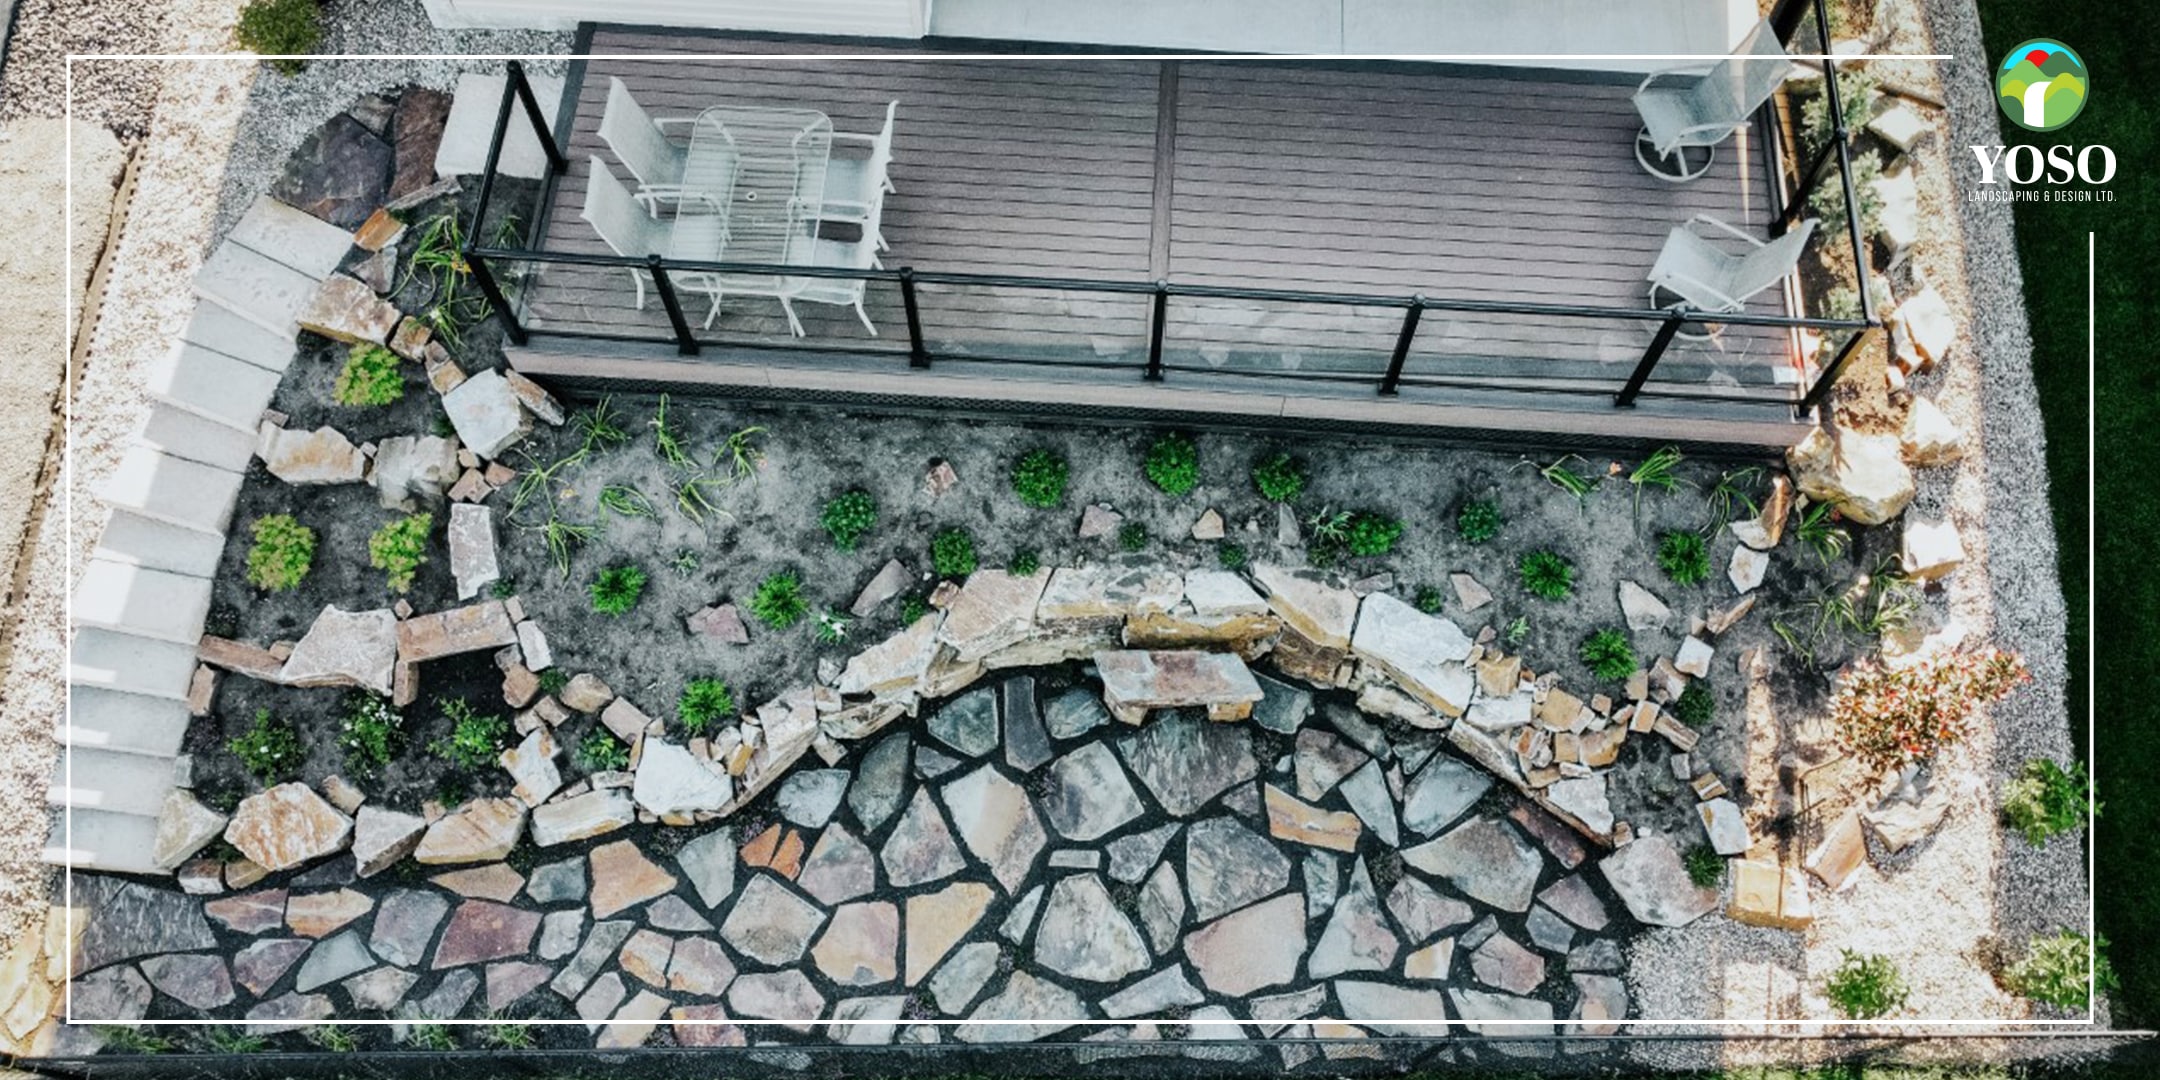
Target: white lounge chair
pixel 1694 273
pixel 624 223
pixel 1686 112
pixel 845 292
pixel 855 187
pixel 641 144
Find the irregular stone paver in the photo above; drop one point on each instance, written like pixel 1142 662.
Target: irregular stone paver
pixel 1253 949
pixel 785 996
pixel 1166 989
pixel 319 914
pixel 508 982
pixel 708 863
pixel 1228 866
pixel 1441 792
pixel 672 780
pixel 1021 918
pixel 286 826
pixel 345 648
pixel 196 981
pixel 484 930
pixel 645 957
pixel 859 944
pixel 1366 791
pixel 557 882
pixel 1027 743
pixel 874 1020
pixel 1548 931
pixel 600 999
pixel 672 912
pixel 1302 823
pixel 704 1026
pixel 968 723
pixel 1599 999
pixel 1030 1008
pixel 1430 962
pixel 495 881
pixel 381 837
pixel 1502 963
pixel 997 821
pixel 405 924
pixel 1089 796
pixel 599 947
pixel 1162 908
pixel 936 921
pixel 291 1012
pixel 1186 762
pixel 1653 883
pixel 560 932
pixel 1572 898
pixel 809 798
pixel 921 849
pixel 1487 859
pixel 1282 708
pixel 1132 856
pixel 700 966
pixel 956 983
pixel 840 867
pixel 258 967
pixel 380 990
pixel 1422 911
pixel 249 913
pixel 1323 759
pixel 623 877
pixel 1074 713
pixel 1085 936
pixel 880 781
pixel 483 830
pixel 1322 882
pixel 333 959
pixel 1357 937
pixel 770 924
pixel 1501 1014
pixel 1376 1004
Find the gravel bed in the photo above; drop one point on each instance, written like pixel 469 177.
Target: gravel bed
pixel 115 94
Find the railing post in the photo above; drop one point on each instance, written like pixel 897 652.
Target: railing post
pixel 1830 375
pixel 1161 309
pixel 1625 399
pixel 918 355
pixel 1785 18
pixel 1410 319
pixel 485 278
pixel 684 343
pixel 1811 179
pixel 556 161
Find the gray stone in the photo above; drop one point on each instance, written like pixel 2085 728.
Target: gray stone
pixel 557 882
pixel 531 765
pixel 1650 879
pixel 1487 859
pixel 840 868
pixel 963 975
pixel 1500 962
pixel 599 1000
pixel 1357 937
pixel 1501 1014
pixel 1641 607
pixel 196 981
pixel 673 913
pixel 380 990
pixel 708 864
pixel 875 1019
pixel 808 798
pixel 1282 706
pixel 1470 594
pixel 892 579
pixel 1383 1009
pixel 1422 653
pixel 1572 898
pixel 1323 760
pixel 1132 856
pixel 1027 744
pixel 1085 936
pixel 259 966
pixel 1027 1008
pixel 770 924
pixel 1253 949
pixel 1367 793
pixel 785 996
pixel 1441 792
pixel 1186 762
pixel 1162 908
pixel 1721 820
pixel 1360 729
pixel 321 456
pixel 559 933
pixel 1022 916
pixel 482 930
pixel 1323 882
pixel 1075 713
pixel 487 414
pixel 127 920
pixel 405 923
pixel 333 959
pixel 1548 931
pixel 381 837
pixel 508 982
pixel 998 823
pixel 968 723
pixel 699 966
pixel 880 781
pixel 859 947
pixel 1088 795
pixel 1166 989
pixel 183 827
pixel 340 174
pixel 930 764
pixel 1135 681
pixel 1597 954
pixel 721 622
pixel 409 468
pixel 1076 859
pixel 1586 799
pixel 1599 1000
pixel 472 549
pixel 1272 1013
pixel 345 648
pixel 291 1012
pixel 447 1000
pixel 582 816
pixel 672 780
pixel 343 308
pixel 1228 866
pixel 599 949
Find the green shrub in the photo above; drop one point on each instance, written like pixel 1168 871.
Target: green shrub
pixel 778 601
pixel 399 548
pixel 1828 199
pixel 1372 534
pixel 370 377
pixel 1280 478
pixel 704 702
pixel 273 27
pixel 2054 970
pixel 912 609
pixel 1682 556
pixel 848 516
pixel 1132 537
pixel 1430 600
pixel 369 734
pixel 616 589
pixel 1173 464
pixel 1696 706
pixel 1038 477
pixel 1547 575
pixel 282 553
pixel 1865 986
pixel 269 749
pixel 1609 654
pixel 1889 717
pixel 1230 555
pixel 952 553
pixel 1478 520
pixel 553 680
pixel 600 751
pixel 475 741
pixel 1856 96
pixel 2047 800
pixel 1705 867
pixel 1023 563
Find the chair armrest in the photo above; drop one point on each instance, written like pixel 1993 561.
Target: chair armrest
pixel 663 122
pixel 1697 71
pixel 1725 226
pixel 853 137
pixel 1731 305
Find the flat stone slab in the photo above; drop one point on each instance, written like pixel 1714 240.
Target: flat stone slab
pixel 321 456
pixel 1487 859
pixel 1651 880
pixel 1253 949
pixel 1423 653
pixel 1185 762
pixel 485 625
pixel 770 923
pixel 291 236
pixel 255 287
pixel 346 648
pixel 343 308
pixel 998 823
pixel 1084 936
pixel 127 919
pixel 212 385
pixel 1228 866
pixel 471 126
pixel 142 602
pixel 405 923
pixel 473 561
pixel 582 817
pixel 487 414
pixel 288 825
pixel 1135 681
pixel 483 830
pixel 483 930
pixel 1089 795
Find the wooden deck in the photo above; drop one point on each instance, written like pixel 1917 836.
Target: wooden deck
pixel 1455 183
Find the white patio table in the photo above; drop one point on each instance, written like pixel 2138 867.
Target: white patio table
pixel 754 183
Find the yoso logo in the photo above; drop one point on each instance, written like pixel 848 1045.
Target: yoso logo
pixel 2042 85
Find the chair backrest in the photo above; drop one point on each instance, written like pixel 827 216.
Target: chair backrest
pixel 637 142
pixel 1765 266
pixel 614 213
pixel 881 147
pixel 1731 91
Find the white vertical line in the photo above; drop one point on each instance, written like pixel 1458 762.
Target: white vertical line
pixel 2092 640
pixel 67 524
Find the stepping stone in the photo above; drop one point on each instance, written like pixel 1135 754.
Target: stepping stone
pixel 1572 898
pixel 259 966
pixel 1228 866
pixel 840 868
pixel 1323 760
pixel 1132 856
pixel 997 822
pixel 1322 883
pixel 1599 999
pixel 136 723
pixel 382 837
pixel 1026 1008
pixel 1597 954
pixel 1650 879
pixel 473 562
pixel 248 913
pixel 294 237
pixel 1162 908
pixel 1501 963
pixel 484 930
pixel 1486 859
pixel 645 957
pixel 1075 713
pixel 1027 744
pixel 508 982
pixel 700 966
pixel 405 923
pixel 1084 935
pixel 1441 792
pixel 623 878
pixel 770 924
pixel 1301 823
pixel 218 327
pixel 256 288
pixel 1431 962
pixel 1186 762
pixel 212 385
pixel 708 863
pixel 809 798
pixel 1367 793
pixel 785 996
pixel 127 919
pixel 1502 1015
pixel 599 948
pixel 921 849
pixel 141 602
pixel 495 881
pixel 1422 911
pixel 1088 795
pixel 1136 681
pixel 380 990
pixel 876 1019
pixel 672 912
pixel 1253 949
pixel 129 663
pixel 968 723
pixel 955 984
pixel 1022 916
pixel 1357 937
pixel 937 921
pixel 1548 931
pixel 859 944
pixel 600 1000
pixel 880 782
pixel 929 764
pixel 1376 1004
pixel 559 933
pixel 182 434
pixel 558 882
pixel 1282 707
pixel 1166 989
pixel 196 981
pixel 333 959
pixel 317 915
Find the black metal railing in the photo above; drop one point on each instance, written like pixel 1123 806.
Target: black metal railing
pixel 1668 323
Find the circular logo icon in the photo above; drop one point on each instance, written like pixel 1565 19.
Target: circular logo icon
pixel 2042 85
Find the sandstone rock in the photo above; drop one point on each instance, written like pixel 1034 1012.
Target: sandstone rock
pixel 1930 550
pixel 286 826
pixel 1251 949
pixel 938 921
pixel 345 648
pixel 998 823
pixel 1298 822
pixel 409 470
pixel 1842 850
pixel 1644 611
pixel 1486 859
pixel 482 930
pixel 1470 595
pixel 1323 614
pixel 531 763
pixel 321 456
pixel 1650 879
pixel 1747 568
pixel 1694 658
pixel 896 665
pixel 535 398
pixel 472 549
pixel 1727 829
pixel 994 609
pixel 487 413
pixel 859 946
pixel 671 780
pixel 483 830
pixel 1768 894
pixel 1186 762
pixel 1209 527
pixel 1136 681
pixel 1862 475
pixel 183 827
pixel 770 924
pixel 891 580
pixel 345 309
pixel 1089 796
pixel 586 693
pixel 322 913
pixel 381 837
pixel 1930 437
pixel 1928 324
pixel 623 877
pixel 1098 521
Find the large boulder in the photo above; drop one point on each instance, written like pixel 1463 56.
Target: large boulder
pixel 1653 883
pixel 483 830
pixel 1864 476
pixel 345 309
pixel 286 826
pixel 321 456
pixel 345 648
pixel 488 414
pixel 410 468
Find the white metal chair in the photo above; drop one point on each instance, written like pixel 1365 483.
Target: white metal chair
pixel 1700 275
pixel 641 144
pixel 842 292
pixel 855 187
pixel 624 223
pixel 1686 112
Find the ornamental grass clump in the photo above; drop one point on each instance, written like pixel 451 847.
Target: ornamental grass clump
pixel 1890 717
pixel 1609 654
pixel 1705 867
pixel 617 589
pixel 1547 575
pixel 778 601
pixel 703 703
pixel 1173 464
pixel 1280 478
pixel 2047 800
pixel 370 377
pixel 282 552
pixel 1038 477
pixel 1683 558
pixel 399 548
pixel 848 516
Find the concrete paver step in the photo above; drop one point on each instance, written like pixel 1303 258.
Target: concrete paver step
pixel 257 287
pixel 183 434
pixel 152 603
pixel 293 237
pixel 116 720
pixel 87 777
pixel 139 541
pixel 214 385
pixel 130 662
pixel 215 326
pixel 471 126
pixel 103 840
pixel 186 493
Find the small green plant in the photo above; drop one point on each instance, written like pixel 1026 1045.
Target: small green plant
pixel 438 252
pixel 848 516
pixel 666 444
pixel 1828 200
pixel 1547 575
pixel 370 377
pixel 1696 706
pixel 1430 599
pixel 1819 532
pixel 599 426
pixel 282 552
pixel 1609 653
pixel 1280 478
pixel 503 589
pixel 600 751
pixel 778 601
pixel 739 455
pixel 2047 800
pixel 1865 986
pixel 1132 537
pixel 1023 563
pixel 1372 534
pixel 1581 485
pixel 553 680
pixel 1230 555
pixel 1517 632
pixel 624 500
pixel 685 562
pixel 616 589
pixel 703 703
pixel 2060 970
pixel 507 1035
pixel 832 627
pixel 1683 557
pixel 1173 464
pixel 1733 497
pixel 1659 471
pixel 1889 717
pixel 475 740
pixel 434 1037
pixel 1856 99
pixel 1705 867
pixel 1330 527
pixel 691 498
pixel 1038 477
pixel 1478 520
pixel 369 734
pixel 952 553
pixel 269 749
pixel 225 1040
pixel 335 1038
pixel 399 548
pixel 285 28
pixel 562 538
pixel 912 609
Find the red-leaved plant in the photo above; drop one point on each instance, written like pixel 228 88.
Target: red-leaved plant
pixel 1889 717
